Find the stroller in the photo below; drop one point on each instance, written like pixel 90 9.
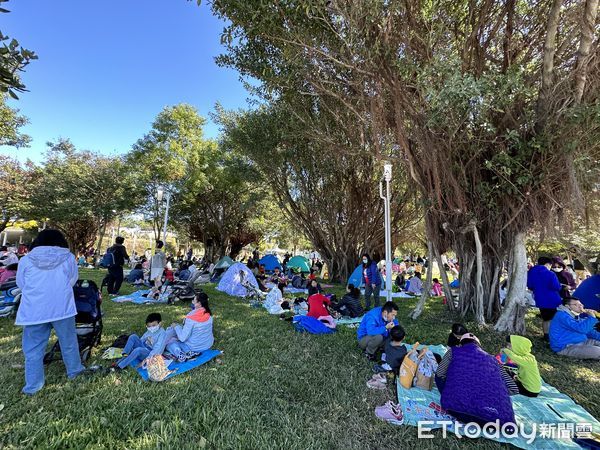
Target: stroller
pixel 88 320
pixel 184 289
pixel 10 296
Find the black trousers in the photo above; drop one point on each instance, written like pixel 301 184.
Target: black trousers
pixel 114 279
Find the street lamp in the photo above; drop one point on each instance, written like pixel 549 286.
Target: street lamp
pixel 160 191
pixel 387 177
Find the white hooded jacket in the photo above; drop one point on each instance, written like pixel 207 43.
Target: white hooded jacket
pixel 46 276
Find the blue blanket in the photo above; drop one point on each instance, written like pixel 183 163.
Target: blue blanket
pixel 311 325
pixel 137 297
pixel 550 407
pixel 180 368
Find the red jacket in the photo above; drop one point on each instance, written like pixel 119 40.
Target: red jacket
pixel 316 306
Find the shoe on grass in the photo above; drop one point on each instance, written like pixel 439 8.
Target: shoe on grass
pixel 379 369
pixel 391 413
pixel 376 384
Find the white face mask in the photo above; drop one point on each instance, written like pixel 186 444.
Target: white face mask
pixel 365 261
pixel 557 269
pixel 153 329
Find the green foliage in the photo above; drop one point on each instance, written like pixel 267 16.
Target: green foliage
pixel 168 153
pixel 10 123
pixel 80 191
pixel 15 187
pixel 13 59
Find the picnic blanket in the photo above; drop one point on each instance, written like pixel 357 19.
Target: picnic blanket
pixel 138 297
pixel 551 411
pixel 383 294
pixel 180 368
pixel 348 321
pixel 288 289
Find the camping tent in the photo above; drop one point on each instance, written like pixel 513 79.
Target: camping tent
pixel 299 262
pixel 357 277
pixel 224 263
pixel 231 281
pixel 271 262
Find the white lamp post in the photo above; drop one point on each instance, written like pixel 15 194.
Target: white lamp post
pixel 387 177
pixel 159 196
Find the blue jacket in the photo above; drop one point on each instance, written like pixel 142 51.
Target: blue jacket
pixel 372 273
pixel 566 329
pixel 373 324
pixel 545 286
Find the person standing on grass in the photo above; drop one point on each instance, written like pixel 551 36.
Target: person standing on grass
pixel 371 280
pixel 546 291
pixel 375 327
pixel 157 264
pixel 115 271
pixel 46 277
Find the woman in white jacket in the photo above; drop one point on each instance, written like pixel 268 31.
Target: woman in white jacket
pixel 46 277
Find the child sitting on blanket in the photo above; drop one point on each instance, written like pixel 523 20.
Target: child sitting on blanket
pixel 138 349
pixel 528 377
pixel 436 288
pixel 458 329
pixel 394 351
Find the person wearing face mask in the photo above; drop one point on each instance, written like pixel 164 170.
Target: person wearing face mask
pixel 572 331
pixel 371 279
pixel 375 327
pixel 566 279
pixel 546 291
pixel 195 335
pixel 139 348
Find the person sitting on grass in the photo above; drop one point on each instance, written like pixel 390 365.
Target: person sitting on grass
pixel 375 327
pixel 317 306
pixel 195 335
pixel 138 348
pixel 9 273
pixel 458 330
pixel 473 387
pixel 436 288
pixel 528 377
pixel 278 277
pixel 394 351
pixel 349 305
pixel 572 331
pixel 184 273
pixel 416 285
pixel 136 276
pixel 314 287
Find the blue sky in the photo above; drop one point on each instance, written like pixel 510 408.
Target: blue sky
pixel 106 69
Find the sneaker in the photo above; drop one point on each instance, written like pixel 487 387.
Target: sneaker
pixel 379 369
pixel 181 357
pixel 391 413
pixel 381 377
pixel 191 354
pixel 376 384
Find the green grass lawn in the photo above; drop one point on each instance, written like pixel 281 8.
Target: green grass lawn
pixel 274 388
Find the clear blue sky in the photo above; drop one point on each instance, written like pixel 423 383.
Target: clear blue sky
pixel 106 69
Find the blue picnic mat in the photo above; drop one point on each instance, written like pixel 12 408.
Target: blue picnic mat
pixel 137 297
pixel 550 407
pixel 180 368
pixel 349 321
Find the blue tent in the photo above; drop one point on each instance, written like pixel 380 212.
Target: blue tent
pixel 588 292
pixel 271 262
pixel 357 277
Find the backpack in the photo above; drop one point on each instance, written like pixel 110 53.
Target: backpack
pixel 108 260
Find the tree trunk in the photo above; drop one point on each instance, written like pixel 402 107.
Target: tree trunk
pixel 512 319
pixel 590 12
pixel 427 287
pixel 102 233
pixel 445 281
pixel 479 317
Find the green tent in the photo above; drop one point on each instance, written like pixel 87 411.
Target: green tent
pixel 299 262
pixel 224 263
